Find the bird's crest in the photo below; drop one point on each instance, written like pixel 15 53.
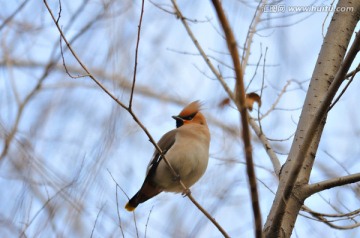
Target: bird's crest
pixel 190 109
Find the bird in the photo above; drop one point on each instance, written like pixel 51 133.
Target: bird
pixel 186 148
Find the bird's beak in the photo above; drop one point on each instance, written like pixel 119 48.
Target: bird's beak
pixel 179 121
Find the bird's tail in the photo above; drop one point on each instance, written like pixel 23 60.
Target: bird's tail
pixel 134 201
pixel 146 192
pixel 130 206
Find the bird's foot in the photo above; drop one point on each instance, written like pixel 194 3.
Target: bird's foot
pixel 186 192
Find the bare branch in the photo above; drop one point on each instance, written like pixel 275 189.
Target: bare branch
pixel 240 101
pixel 136 54
pixel 326 17
pixel 349 214
pixel 267 146
pixel 147 221
pixel 321 217
pixel 79 61
pixel 135 224
pixel 64 64
pixel 255 72
pixel 350 74
pixel 17 10
pixel 354 72
pixel 251 32
pixel 202 52
pixel 96 219
pixel 117 201
pixel 331 183
pixel 44 206
pixel 273 106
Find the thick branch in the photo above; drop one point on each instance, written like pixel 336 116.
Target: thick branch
pixel 320 114
pixel 328 75
pixel 312 130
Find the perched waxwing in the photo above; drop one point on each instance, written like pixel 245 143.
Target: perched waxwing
pixel 187 150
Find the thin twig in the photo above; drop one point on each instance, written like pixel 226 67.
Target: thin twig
pixel 64 64
pixel 96 219
pixel 324 21
pixel 202 52
pixel 267 146
pixel 350 74
pixel 282 92
pixel 17 10
pixel 255 72
pixel 353 213
pixel 136 54
pixel 117 201
pixel 59 13
pixel 147 221
pixel 78 59
pixel 240 102
pixel 135 224
pixel 262 88
pixel 250 34
pixel 136 119
pixel 337 162
pixel 320 217
pixel 345 88
pixel 43 207
pixel 118 212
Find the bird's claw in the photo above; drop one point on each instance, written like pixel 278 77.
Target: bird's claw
pixel 186 192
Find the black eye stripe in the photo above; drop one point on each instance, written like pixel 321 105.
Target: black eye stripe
pixel 189 118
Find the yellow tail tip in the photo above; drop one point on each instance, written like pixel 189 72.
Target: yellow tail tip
pixel 129 208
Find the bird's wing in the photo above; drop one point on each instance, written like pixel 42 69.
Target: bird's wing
pixel 149 189
pixel 165 144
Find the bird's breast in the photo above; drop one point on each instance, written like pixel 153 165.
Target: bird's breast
pixel 189 157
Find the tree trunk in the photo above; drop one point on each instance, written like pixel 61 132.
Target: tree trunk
pixel 282 217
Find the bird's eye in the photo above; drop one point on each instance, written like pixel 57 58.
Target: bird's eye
pixel 189 118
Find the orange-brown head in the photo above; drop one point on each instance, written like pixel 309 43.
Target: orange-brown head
pixel 190 114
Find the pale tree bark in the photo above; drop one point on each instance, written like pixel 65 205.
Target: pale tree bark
pixel 294 178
